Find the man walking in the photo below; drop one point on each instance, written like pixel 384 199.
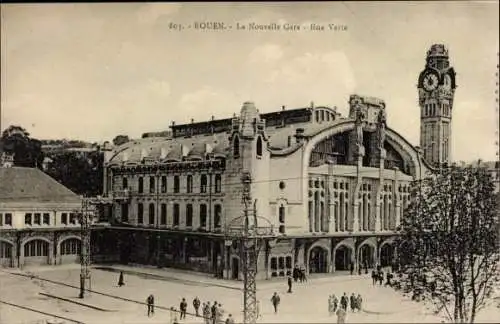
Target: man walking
pixel 353 302
pixel 276 301
pixel 196 305
pixel 289 284
pixel 183 307
pixel 151 304
pixel 206 313
pixel 121 282
pixel 344 301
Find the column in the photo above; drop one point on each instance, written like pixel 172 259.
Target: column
pixel 355 216
pixel 224 258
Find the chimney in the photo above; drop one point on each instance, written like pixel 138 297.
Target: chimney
pixel 192 120
pixel 312 104
pixel 283 107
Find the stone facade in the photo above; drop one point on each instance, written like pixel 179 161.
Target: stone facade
pixel 332 190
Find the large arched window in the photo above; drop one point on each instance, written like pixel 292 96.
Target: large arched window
pixel 70 246
pixel 259 146
pixel 36 248
pixel 236 147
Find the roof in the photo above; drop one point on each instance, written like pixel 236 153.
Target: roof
pixel 30 184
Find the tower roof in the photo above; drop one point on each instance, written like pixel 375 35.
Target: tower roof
pixel 437 50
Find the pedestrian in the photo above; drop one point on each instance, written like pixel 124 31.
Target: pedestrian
pixel 335 303
pixel 374 277
pixel 381 277
pixel 173 316
pixel 296 273
pixel 366 267
pixel 151 304
pixel 359 302
pixel 344 301
pixel 352 268
pixel 276 301
pixel 121 282
pixel 196 305
pixel 330 305
pixel 213 312
pixel 353 302
pixel 230 319
pixel 219 314
pixel 207 313
pixel 183 307
pixel 341 315
pixel 289 284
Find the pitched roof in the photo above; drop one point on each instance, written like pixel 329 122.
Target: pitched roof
pixel 29 184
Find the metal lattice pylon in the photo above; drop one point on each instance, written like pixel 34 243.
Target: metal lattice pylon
pixel 85 221
pixel 250 286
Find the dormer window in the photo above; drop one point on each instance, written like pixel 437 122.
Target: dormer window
pixel 236 147
pixel 259 146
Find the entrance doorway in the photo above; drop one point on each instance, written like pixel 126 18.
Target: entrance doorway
pixel 318 260
pixel 342 258
pixel 365 258
pixel 235 268
pixel 386 255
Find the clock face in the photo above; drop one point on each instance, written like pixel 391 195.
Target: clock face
pixel 430 82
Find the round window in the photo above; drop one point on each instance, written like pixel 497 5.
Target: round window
pixel 282 185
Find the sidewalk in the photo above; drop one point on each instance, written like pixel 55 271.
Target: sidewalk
pixel 197 278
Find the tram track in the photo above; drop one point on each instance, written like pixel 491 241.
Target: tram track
pixel 41 312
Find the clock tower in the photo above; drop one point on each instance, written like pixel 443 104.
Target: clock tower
pixel 436 89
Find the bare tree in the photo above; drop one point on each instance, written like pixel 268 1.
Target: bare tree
pixel 449 242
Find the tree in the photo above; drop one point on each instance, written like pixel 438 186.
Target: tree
pixel 27 151
pixel 80 172
pixel 449 243
pixel 120 139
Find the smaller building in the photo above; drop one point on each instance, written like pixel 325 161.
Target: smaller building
pixel 39 222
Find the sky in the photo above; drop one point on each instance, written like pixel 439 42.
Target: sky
pixel 93 71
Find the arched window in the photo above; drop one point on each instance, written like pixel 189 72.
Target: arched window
pixel 236 147
pixel 189 181
pixel 71 246
pixel 140 213
pixel 259 146
pixel 176 214
pixel 36 248
pixel 189 215
pixel 203 215
pixel 203 184
pixel 151 214
pixel 152 185
pixel 141 185
pixel 218 183
pixel 163 217
pixel 5 250
pixel 176 184
pixel 217 216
